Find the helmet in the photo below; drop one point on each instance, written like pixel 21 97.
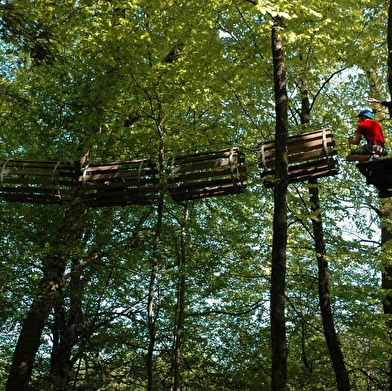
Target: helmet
pixel 366 113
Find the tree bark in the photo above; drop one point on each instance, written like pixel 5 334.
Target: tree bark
pixel 151 317
pixel 386 276
pixel 181 303
pixel 50 286
pixel 331 337
pixel 279 246
pixel 389 60
pixel 65 331
pixel 386 233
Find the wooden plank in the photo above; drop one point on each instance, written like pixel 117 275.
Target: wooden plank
pixel 268 183
pixel 102 177
pixel 203 186
pixel 306 156
pixel 302 157
pixel 37 164
pixel 207 174
pixel 119 167
pixel 203 166
pixel 318 134
pixel 28 191
pixel 189 178
pixel 203 156
pixel 144 183
pixel 300 146
pixel 309 165
pixel 305 172
pixel 240 181
pixel 31 172
pixel 37 181
pixel 131 170
pixel 123 163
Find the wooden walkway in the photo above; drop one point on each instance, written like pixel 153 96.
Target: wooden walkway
pixel 207 174
pixel 119 183
pixel 44 182
pixel 310 156
pixel 190 177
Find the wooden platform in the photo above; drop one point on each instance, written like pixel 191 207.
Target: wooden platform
pixel 44 182
pixel 379 174
pixel 207 174
pixel 119 183
pixel 310 156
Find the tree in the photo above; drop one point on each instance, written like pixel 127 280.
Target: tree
pixel 278 270
pixel 109 74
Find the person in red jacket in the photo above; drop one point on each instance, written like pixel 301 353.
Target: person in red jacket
pixel 371 131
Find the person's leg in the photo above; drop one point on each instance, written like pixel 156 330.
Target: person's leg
pixel 359 154
pixel 357 158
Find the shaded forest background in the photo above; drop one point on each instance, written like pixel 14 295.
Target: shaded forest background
pixel 174 296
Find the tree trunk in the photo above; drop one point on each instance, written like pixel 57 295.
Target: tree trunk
pixel 386 233
pixel 386 279
pixel 65 330
pixel 331 337
pixel 49 287
pixel 389 61
pixel 151 317
pixel 181 304
pixel 278 272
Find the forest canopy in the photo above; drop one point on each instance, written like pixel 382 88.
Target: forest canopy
pixel 167 295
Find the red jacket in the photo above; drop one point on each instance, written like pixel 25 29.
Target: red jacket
pixel 372 132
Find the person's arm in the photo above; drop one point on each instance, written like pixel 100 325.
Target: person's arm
pixel 355 140
pixel 372 100
pixel 381 102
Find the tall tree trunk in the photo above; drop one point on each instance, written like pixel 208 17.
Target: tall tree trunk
pixel 279 246
pixel 389 39
pixel 331 337
pixel 50 285
pixel 65 329
pixel 386 279
pixel 386 232
pixel 181 303
pixel 151 317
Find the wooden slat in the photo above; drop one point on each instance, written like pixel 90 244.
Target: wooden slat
pixel 300 148
pixel 207 174
pixel 37 181
pixel 305 171
pixel 302 157
pixel 299 145
pixel 132 182
pixel 205 156
pixel 309 155
pixel 35 164
pixel 129 169
pixel 202 166
pixel 211 175
pixel 318 134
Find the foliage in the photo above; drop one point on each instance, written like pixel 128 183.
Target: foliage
pixel 101 76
